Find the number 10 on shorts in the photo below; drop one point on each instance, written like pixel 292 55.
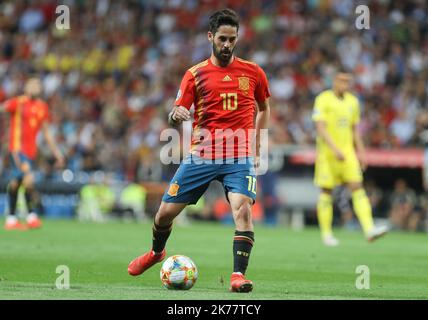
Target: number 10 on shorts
pixel 252 184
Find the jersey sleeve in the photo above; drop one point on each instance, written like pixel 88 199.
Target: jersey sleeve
pixel 187 92
pixel 319 112
pixel 10 105
pixel 262 90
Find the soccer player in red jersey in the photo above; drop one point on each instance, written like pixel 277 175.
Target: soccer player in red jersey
pixel 226 92
pixel 28 114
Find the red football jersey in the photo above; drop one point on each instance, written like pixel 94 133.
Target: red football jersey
pixel 224 99
pixel 27 117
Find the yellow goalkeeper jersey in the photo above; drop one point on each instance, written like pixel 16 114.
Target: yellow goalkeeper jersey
pixel 340 115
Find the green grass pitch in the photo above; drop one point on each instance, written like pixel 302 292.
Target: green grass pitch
pixel 284 264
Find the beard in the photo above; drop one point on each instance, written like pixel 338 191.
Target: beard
pixel 33 96
pixel 223 56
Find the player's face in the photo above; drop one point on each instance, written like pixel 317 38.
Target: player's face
pixel 33 88
pixel 224 41
pixel 342 82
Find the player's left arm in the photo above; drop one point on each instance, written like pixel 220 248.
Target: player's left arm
pixel 358 141
pixel 359 147
pixel 262 122
pixel 262 94
pixel 52 145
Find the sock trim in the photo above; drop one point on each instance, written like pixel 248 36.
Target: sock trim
pixel 156 253
pixel 158 228
pixel 243 238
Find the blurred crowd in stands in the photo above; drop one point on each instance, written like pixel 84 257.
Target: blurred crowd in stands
pixel 111 79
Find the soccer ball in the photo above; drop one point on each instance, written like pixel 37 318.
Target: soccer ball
pixel 178 273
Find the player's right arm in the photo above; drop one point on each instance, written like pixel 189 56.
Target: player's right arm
pixel 322 132
pixel 319 117
pixel 185 98
pixel 177 115
pixel 10 106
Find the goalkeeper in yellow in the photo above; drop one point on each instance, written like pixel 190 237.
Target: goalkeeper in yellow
pixel 340 157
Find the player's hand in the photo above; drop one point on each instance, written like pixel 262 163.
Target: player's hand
pixel 60 162
pixel 25 167
pixel 339 155
pixel 180 114
pixel 363 161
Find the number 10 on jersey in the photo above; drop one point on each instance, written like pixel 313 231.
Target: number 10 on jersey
pixel 227 101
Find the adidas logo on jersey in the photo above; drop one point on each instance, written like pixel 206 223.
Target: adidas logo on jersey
pixel 227 78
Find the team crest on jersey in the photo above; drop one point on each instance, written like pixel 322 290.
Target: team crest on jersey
pixel 244 83
pixel 173 189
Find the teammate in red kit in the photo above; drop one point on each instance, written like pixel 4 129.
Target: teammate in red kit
pixel 28 114
pixel 225 91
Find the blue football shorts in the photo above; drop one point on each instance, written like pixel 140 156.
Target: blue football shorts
pixel 195 174
pixel 16 172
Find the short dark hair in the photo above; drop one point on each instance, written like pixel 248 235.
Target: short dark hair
pixel 342 69
pixel 225 17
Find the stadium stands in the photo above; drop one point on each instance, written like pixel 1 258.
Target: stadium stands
pixel 111 78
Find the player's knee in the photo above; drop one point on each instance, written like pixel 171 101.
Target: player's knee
pixel 326 191
pixel 28 181
pixel 163 217
pixel 13 186
pixel 29 190
pixel 355 186
pixel 166 215
pixel 243 213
